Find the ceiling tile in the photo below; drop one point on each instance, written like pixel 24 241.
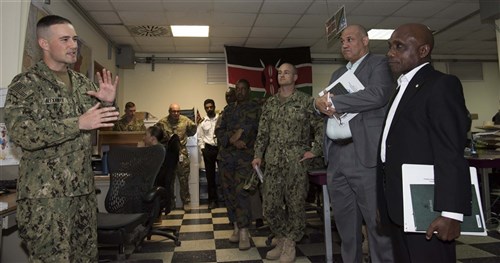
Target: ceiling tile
pixel 188 5
pixel 234 19
pixel 96 5
pixel 229 31
pixel 263 42
pixel 143 18
pixel 312 21
pixel 193 17
pixel 422 8
pixel 285 7
pixel 277 20
pixel 378 7
pixel 307 32
pixel 247 6
pixel 297 42
pixel 273 23
pixel 116 30
pixel 105 17
pixel 144 5
pixel 459 10
pixel 272 32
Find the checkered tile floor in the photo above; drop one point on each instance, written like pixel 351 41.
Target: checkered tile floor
pixel 204 235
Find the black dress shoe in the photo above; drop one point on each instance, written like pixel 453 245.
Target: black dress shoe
pixel 259 223
pixel 212 205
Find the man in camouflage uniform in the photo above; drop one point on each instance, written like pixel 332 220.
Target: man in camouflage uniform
pixel 284 143
pixel 49 111
pixel 236 137
pixel 129 122
pixel 175 123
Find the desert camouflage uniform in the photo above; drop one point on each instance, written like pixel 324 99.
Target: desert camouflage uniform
pixel 184 128
pixel 236 163
pixel 134 125
pixel 284 136
pixel 57 206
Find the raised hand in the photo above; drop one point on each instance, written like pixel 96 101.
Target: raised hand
pixel 107 87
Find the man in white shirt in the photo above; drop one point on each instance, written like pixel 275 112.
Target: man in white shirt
pixel 350 147
pixel 427 123
pixel 208 145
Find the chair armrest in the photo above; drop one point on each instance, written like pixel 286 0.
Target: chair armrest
pixel 157 192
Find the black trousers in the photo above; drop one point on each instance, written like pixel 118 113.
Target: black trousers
pixel 210 159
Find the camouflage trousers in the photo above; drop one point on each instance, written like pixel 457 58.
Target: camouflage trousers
pixel 59 229
pixel 284 192
pixel 182 173
pixel 233 176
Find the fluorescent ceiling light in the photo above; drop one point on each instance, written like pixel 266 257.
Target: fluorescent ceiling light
pixel 189 31
pixel 380 34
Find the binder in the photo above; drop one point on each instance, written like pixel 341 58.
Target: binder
pixel 418 201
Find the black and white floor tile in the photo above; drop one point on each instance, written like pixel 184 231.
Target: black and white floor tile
pixel 204 235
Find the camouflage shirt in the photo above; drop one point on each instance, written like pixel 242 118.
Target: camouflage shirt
pixel 184 128
pixel 42 118
pixel 285 129
pixel 123 125
pixel 243 115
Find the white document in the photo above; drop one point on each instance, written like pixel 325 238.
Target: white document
pixel 418 197
pixel 347 83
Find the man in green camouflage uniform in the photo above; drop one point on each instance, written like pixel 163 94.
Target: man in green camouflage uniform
pixel 49 111
pixel 129 122
pixel 284 143
pixel 236 137
pixel 175 123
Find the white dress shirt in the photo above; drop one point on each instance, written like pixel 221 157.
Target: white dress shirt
pixel 336 128
pixel 206 131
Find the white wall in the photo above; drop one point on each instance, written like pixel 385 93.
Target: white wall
pixel 14 17
pixel 185 84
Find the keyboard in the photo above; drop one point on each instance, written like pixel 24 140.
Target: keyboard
pixel 8 184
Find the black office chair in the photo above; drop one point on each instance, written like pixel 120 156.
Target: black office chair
pixel 166 179
pixel 132 201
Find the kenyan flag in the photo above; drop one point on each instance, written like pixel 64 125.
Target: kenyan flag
pixel 259 67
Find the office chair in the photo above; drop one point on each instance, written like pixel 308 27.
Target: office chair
pixel 132 201
pixel 166 180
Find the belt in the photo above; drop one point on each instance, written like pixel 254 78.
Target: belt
pixel 209 145
pixel 342 142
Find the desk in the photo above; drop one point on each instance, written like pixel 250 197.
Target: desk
pixel 11 249
pixel 484 161
pixel 318 177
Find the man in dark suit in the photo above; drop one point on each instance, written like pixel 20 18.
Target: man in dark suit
pixel 350 147
pixel 427 123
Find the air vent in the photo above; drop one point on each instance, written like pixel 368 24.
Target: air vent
pixel 150 31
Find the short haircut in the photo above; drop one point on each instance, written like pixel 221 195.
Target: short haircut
pixel 245 83
pixel 156 132
pixel 47 21
pixel 129 105
pixel 207 101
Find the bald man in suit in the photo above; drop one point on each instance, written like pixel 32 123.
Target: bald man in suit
pixel 350 147
pixel 427 123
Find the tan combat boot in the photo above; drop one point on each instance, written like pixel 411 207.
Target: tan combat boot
pixel 244 239
pixel 275 253
pixel 288 253
pixel 235 236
